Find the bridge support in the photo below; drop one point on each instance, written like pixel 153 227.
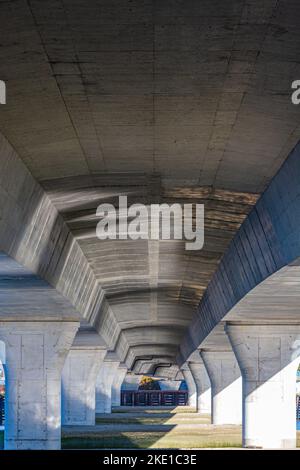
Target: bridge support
pixel 268 358
pixel 35 355
pixel 226 386
pixel 104 383
pixel 78 385
pixel 189 379
pixel 117 384
pixel 203 388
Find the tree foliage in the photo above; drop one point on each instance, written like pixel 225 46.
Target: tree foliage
pixel 147 383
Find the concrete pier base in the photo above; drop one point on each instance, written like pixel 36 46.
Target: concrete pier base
pixel 117 384
pixel 78 386
pixel 268 359
pixel 35 355
pixel 203 387
pixel 104 383
pixel 226 386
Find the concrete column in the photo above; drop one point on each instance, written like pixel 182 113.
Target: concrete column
pixel 78 386
pixel 104 383
pixel 191 386
pixel 117 384
pixel 35 355
pixel 203 388
pixel 226 386
pixel 268 359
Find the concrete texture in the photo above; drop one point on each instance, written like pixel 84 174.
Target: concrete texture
pixel 163 102
pixel 192 391
pixel 104 383
pixel 174 88
pixel 268 356
pixel 226 386
pixel 202 382
pixel 261 263
pixel 79 377
pixel 35 355
pixel 117 385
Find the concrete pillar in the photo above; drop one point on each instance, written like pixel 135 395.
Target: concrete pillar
pixel 79 384
pixel 203 388
pixel 226 386
pixel 35 355
pixel 191 386
pixel 117 384
pixel 104 383
pixel 268 359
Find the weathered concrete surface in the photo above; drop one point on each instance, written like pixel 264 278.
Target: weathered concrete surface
pixel 104 382
pixel 24 296
pixel 267 243
pixel 268 357
pixel 216 111
pixel 34 234
pixel 117 385
pixel 226 386
pixel 189 379
pixel 79 377
pixel 190 101
pixel 202 382
pixel 35 355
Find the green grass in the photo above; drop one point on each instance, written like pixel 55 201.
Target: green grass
pixel 147 440
pixel 156 420
pixel 188 439
pixel 191 439
pixel 145 410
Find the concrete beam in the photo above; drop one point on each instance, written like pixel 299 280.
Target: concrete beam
pixel 266 243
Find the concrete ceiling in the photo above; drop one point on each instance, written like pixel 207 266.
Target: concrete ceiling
pixel 163 101
pixel 26 297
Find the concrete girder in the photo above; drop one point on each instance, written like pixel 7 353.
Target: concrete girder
pixel 266 243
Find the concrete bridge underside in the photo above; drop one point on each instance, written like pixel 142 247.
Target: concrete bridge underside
pixel 162 102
